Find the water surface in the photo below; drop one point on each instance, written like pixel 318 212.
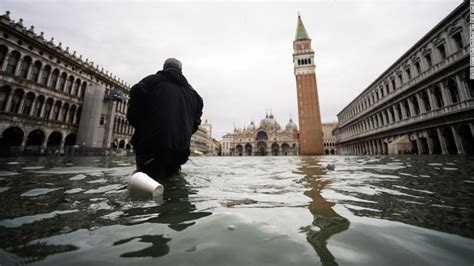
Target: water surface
pixel 413 210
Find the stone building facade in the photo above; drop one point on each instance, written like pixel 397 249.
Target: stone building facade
pixel 200 141
pixel 266 139
pixel 311 135
pixel 52 98
pixel 423 103
pixel 329 138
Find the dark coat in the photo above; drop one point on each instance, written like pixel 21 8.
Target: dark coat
pixel 165 111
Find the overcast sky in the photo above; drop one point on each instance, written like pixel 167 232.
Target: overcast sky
pixel 238 55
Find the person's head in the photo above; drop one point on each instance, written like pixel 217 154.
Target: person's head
pixel 173 63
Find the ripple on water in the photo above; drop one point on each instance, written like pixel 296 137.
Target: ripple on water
pixel 19 221
pixel 103 189
pixel 78 177
pixel 3 189
pixel 7 173
pixel 38 191
pixel 74 190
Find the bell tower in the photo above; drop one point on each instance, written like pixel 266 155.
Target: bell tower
pixel 309 116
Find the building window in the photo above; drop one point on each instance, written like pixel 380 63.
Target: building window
pixel 70 83
pixel 453 91
pixel 27 104
pixel 429 62
pixel 408 73
pixel 56 111
pixel 62 82
pixel 24 66
pixel 3 53
pixel 45 75
pixel 439 97
pixel 457 38
pixel 4 93
pixel 15 104
pixel 35 71
pixel 47 108
pixel 418 68
pixel 38 104
pixel 54 78
pixel 442 51
pixel 393 84
pixel 416 106
pixel 12 62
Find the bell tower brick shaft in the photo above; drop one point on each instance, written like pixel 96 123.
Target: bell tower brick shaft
pixel 311 133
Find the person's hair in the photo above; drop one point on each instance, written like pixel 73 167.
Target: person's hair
pixel 173 63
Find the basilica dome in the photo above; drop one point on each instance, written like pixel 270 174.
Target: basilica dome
pixel 291 126
pixel 269 121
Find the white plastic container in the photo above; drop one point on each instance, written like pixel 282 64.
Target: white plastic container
pixel 141 182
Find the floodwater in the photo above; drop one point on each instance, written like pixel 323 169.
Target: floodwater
pixel 406 210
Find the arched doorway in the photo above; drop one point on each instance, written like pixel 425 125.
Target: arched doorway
pixel 34 141
pixel 10 143
pixel 449 139
pixel 326 152
pixel 128 146
pixel 275 149
pixel 332 152
pixel 262 148
pixel 121 144
pixel 414 147
pixel 70 140
pixel 248 149
pixel 54 142
pixel 466 138
pixel 239 149
pixel 285 149
pixel 424 145
pixel 433 135
pixel 114 144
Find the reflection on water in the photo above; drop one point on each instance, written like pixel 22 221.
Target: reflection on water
pixel 240 211
pixel 328 222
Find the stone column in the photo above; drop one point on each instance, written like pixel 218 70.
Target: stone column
pixel 384 117
pixel 442 141
pixel 463 93
pixel 51 112
pixel 23 144
pixel 17 68
pixel 411 107
pixel 421 103
pixel 395 113
pixel 446 98
pixel 9 101
pixel 430 145
pixel 418 145
pixel 61 146
pixel 457 140
pixel 28 72
pixel 431 98
pixel 43 145
pixel 404 111
pixel 22 101
pixel 41 113
pixel 33 105
pixel 60 112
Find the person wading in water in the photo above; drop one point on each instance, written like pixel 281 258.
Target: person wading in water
pixel 165 111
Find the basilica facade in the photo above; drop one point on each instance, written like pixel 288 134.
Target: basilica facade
pixel 267 138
